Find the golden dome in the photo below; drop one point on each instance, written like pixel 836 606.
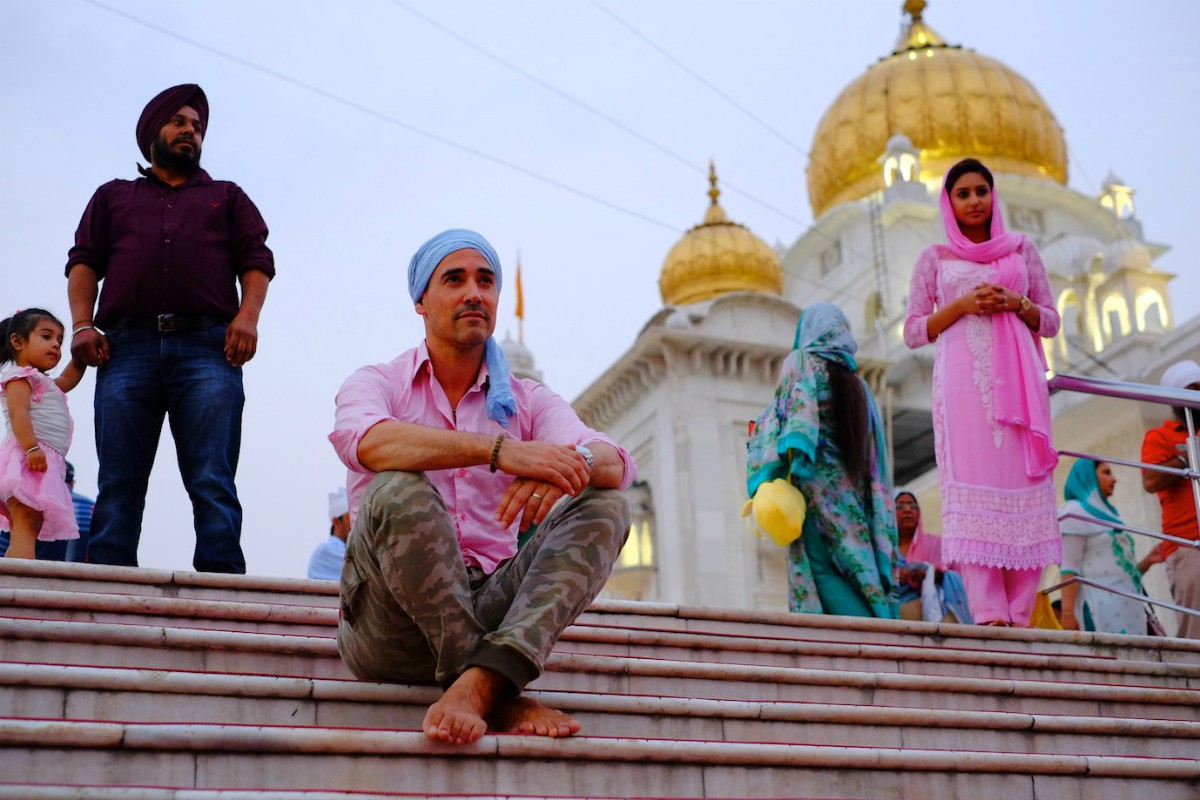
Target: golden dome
pixel 952 103
pixel 717 257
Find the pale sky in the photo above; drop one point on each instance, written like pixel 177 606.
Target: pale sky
pixel 318 110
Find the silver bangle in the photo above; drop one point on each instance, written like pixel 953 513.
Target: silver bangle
pixel 35 447
pixel 82 328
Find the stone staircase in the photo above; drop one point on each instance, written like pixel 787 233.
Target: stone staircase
pixel 144 684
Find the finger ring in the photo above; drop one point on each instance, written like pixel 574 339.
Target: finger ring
pixel 535 494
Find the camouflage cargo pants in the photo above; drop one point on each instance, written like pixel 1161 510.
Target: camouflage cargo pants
pixel 412 612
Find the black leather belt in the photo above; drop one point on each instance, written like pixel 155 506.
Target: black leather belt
pixel 166 323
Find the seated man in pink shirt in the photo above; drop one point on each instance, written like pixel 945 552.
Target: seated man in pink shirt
pixel 449 457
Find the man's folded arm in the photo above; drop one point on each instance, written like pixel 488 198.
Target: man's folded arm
pixel 412 447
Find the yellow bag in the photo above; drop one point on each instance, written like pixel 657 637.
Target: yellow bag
pixel 778 508
pixel 1043 614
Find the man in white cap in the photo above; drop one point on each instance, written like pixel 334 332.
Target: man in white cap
pixel 1167 445
pixel 326 561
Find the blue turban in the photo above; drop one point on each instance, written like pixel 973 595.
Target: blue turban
pixel 500 402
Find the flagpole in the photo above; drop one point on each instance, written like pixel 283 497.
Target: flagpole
pixel 520 312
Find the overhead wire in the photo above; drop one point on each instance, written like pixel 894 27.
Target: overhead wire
pixel 446 141
pixel 1074 159
pixel 813 161
pixel 563 94
pixel 387 118
pixel 570 98
pixel 700 78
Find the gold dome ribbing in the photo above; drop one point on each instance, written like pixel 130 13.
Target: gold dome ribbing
pixel 952 103
pixel 717 257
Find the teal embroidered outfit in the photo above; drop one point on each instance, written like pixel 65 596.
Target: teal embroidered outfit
pixel 844 561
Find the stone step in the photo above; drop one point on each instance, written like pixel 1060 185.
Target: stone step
pixel 151 684
pixel 138 695
pixel 225 615
pixel 616 638
pixel 926 659
pixel 206 756
pixel 197 649
pixel 27 791
pixel 103 579
pixel 857 630
pixel 256 599
pixel 51 642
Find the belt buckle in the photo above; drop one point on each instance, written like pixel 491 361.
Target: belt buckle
pixel 167 323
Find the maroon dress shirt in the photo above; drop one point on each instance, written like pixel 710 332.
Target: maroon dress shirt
pixel 160 249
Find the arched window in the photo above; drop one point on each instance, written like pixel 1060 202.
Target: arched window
pixel 639 547
pixel 1151 311
pixel 1069 310
pixel 1114 317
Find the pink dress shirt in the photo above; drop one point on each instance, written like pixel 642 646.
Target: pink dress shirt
pixel 406 390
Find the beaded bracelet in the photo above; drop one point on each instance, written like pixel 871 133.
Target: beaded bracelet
pixel 492 464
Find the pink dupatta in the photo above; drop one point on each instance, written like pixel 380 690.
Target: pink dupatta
pixel 1019 371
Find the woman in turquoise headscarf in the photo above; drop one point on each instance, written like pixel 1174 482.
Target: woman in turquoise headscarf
pixel 1102 553
pixel 823 432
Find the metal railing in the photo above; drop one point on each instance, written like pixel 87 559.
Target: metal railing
pixel 1189 401
pixel 1074 579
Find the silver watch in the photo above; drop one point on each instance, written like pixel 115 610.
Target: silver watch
pixel 587 456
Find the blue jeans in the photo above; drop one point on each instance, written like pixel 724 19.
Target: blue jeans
pixel 185 377
pixel 77 549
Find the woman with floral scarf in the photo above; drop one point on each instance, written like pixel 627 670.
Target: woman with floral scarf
pixel 823 433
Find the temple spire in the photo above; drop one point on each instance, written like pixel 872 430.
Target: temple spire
pixel 916 34
pixel 715 213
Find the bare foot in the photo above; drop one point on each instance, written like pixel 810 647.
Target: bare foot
pixel 525 715
pixel 458 718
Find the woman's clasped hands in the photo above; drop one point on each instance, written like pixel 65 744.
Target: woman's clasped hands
pixel 990 298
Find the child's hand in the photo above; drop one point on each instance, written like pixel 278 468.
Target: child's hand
pixel 36 461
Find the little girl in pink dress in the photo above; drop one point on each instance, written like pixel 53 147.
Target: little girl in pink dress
pixel 36 499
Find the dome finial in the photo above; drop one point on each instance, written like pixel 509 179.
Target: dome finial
pixel 916 34
pixel 715 213
pixel 717 257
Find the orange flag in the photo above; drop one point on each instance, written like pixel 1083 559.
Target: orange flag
pixel 520 296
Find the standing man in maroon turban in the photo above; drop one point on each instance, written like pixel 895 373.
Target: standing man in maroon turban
pixel 165 253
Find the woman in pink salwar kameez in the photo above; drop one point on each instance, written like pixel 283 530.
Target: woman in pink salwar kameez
pixel 985 299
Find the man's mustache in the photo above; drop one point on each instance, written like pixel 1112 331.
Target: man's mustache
pixel 474 308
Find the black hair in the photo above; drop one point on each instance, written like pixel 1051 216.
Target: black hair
pixel 21 324
pixel 850 421
pixel 965 167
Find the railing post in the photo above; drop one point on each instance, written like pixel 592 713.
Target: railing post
pixel 1193 458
